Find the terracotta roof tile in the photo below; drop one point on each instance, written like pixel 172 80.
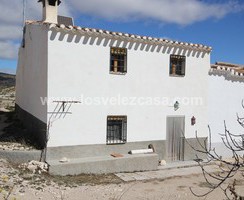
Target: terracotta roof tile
pixel 124 36
pixel 227 69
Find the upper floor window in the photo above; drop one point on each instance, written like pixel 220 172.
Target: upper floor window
pixel 116 129
pixel 118 60
pixel 177 65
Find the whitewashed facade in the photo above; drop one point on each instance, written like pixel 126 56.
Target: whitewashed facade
pixel 70 67
pixel 226 86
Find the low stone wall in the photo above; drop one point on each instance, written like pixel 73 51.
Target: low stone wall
pixel 223 151
pixel 18 157
pixel 190 143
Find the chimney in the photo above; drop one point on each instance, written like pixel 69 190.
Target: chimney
pixel 50 10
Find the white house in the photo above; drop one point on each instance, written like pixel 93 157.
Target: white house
pixel 226 86
pixel 90 92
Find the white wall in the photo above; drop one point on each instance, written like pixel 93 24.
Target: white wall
pixel 77 67
pixel 80 66
pixel 31 79
pixel 225 101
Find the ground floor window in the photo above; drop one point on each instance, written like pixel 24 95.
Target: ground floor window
pixel 116 129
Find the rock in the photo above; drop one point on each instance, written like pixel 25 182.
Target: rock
pixel 63 160
pixel 35 166
pixel 22 190
pixel 162 163
pixel 27 177
pixel 32 168
pixel 4 110
pixel 3 161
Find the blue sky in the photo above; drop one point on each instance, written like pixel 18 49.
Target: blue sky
pixel 216 23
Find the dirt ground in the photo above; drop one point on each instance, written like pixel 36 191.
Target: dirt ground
pixel 23 185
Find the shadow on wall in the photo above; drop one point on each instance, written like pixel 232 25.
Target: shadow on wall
pixel 109 41
pixel 227 76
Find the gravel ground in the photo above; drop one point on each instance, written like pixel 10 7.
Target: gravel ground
pixel 21 184
pixel 7 98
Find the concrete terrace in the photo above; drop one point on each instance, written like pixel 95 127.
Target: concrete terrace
pixel 174 169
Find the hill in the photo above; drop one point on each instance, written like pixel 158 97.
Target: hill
pixel 7 80
pixel 7 91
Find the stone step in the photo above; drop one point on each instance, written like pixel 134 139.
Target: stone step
pixel 104 164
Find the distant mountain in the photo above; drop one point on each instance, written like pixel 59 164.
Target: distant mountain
pixel 7 80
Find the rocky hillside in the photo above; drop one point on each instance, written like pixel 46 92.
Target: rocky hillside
pixel 7 80
pixel 7 91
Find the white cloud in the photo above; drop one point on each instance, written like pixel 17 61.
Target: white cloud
pixel 182 12
pixel 10 32
pixel 11 12
pixel 8 50
pixel 11 22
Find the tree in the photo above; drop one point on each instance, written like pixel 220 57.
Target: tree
pixel 228 168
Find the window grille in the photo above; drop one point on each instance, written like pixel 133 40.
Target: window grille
pixel 116 129
pixel 177 65
pixel 118 60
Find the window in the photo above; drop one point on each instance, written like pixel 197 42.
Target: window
pixel 177 65
pixel 116 129
pixel 118 60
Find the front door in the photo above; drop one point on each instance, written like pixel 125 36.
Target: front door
pixel 175 137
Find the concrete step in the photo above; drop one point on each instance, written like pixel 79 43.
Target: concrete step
pixel 104 164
